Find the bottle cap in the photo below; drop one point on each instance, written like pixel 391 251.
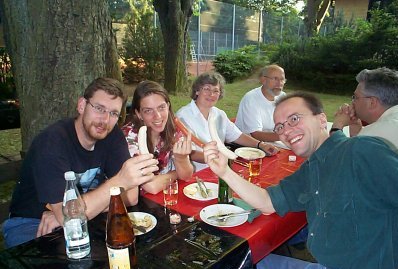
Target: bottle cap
pixel 70 175
pixel 115 190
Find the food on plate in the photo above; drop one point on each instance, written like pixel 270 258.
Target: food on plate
pixel 184 130
pixel 144 222
pixel 214 136
pixel 191 190
pixel 142 143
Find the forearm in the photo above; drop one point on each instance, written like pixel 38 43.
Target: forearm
pixel 247 141
pixel 159 182
pixel 252 194
pixel 184 167
pixel 197 156
pixel 265 136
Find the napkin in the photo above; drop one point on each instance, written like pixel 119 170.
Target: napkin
pixel 246 206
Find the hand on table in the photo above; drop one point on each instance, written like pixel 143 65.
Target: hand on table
pixel 268 148
pixel 47 224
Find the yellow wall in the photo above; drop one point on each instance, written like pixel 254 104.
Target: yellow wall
pixel 351 9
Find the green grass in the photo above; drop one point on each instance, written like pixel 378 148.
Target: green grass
pixel 10 142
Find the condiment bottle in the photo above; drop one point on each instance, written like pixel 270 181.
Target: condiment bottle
pixel 77 240
pixel 120 239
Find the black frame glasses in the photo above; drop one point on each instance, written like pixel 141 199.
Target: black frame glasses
pixel 292 121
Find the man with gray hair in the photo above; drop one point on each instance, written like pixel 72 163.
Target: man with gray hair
pixel 257 106
pixel 375 101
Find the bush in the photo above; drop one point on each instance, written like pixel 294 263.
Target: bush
pixel 143 48
pixel 237 64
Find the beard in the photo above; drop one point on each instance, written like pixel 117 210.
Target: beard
pixel 96 130
pixel 274 91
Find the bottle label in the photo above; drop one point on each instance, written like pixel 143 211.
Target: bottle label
pixel 119 258
pixel 74 233
pixel 69 195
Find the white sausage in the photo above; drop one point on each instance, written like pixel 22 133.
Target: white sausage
pixel 142 143
pixel 214 136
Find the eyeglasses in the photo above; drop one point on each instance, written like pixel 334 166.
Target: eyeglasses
pixel 354 97
pixel 292 120
pixel 281 80
pixel 150 111
pixel 102 110
pixel 209 91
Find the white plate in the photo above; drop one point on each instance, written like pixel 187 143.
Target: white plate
pixel 248 153
pixel 213 193
pixel 218 209
pixel 140 216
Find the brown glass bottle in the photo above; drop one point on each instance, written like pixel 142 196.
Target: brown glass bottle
pixel 120 239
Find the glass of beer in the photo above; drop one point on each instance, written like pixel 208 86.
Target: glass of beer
pixel 170 192
pixel 255 167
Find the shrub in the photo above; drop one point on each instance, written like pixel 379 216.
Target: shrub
pixel 237 64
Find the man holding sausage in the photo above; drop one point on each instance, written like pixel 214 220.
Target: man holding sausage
pixel 94 148
pixel 347 187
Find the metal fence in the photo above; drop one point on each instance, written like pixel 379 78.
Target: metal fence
pixel 221 26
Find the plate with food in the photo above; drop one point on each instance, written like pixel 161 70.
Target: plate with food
pixel 142 222
pixel 248 153
pixel 212 215
pixel 193 191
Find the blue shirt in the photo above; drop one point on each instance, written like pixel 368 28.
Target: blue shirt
pixel 349 190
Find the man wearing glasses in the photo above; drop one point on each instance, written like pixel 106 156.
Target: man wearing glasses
pixel 375 101
pixel 257 106
pixel 347 187
pixel 94 148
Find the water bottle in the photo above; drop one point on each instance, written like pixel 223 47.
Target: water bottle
pixel 224 192
pixel 77 240
pixel 120 239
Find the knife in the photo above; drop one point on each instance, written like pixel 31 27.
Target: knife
pixel 228 215
pixel 142 229
pixel 202 188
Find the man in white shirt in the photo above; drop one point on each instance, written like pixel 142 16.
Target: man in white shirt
pixel 375 101
pixel 256 109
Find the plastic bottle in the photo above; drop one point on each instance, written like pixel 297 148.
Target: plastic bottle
pixel 224 192
pixel 120 239
pixel 77 240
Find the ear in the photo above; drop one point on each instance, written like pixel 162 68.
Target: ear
pixel 81 105
pixel 324 120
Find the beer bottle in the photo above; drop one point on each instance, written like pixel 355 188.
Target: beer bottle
pixel 120 239
pixel 224 192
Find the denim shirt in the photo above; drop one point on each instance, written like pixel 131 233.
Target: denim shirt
pixel 348 189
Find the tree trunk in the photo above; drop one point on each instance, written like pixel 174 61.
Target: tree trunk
pixel 174 18
pixel 316 11
pixel 57 48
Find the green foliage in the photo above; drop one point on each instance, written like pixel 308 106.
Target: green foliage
pixel 7 86
pixel 237 64
pixel 142 46
pixel 331 62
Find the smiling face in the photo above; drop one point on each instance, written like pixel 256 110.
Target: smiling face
pixel 154 111
pixel 309 133
pixel 208 95
pixel 97 121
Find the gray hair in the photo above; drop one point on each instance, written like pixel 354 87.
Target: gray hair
pixel 265 70
pixel 381 83
pixel 212 78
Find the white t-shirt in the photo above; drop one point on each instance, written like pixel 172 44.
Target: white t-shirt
pixel 385 127
pixel 256 112
pixel 196 122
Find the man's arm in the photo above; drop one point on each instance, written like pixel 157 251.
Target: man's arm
pixel 252 194
pixel 265 136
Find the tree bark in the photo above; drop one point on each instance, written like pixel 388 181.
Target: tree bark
pixel 57 48
pixel 316 11
pixel 174 18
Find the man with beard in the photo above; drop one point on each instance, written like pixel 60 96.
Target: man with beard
pixel 375 101
pixel 257 106
pixel 94 148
